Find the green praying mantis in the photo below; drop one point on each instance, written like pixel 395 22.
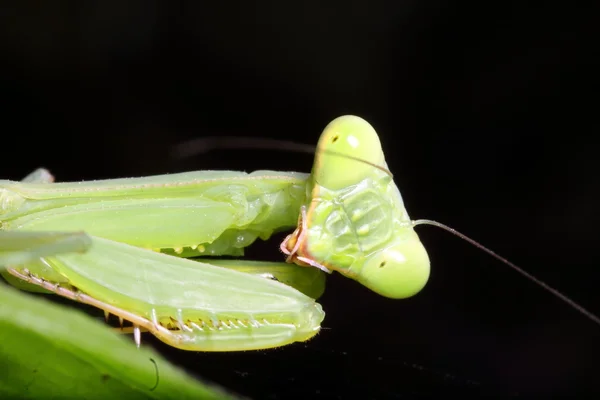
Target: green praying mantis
pixel 125 245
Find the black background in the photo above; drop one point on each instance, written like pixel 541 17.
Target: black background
pixel 488 117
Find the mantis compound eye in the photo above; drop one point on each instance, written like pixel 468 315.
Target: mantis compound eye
pixel 398 271
pixel 347 150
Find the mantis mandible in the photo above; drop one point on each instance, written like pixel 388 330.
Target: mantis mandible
pixel 132 260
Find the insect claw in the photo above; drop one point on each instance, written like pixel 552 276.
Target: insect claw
pixel 283 246
pixel 121 322
pixel 315 264
pixel 106 315
pixel 137 335
pixel 297 236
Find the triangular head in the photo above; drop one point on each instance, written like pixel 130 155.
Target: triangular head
pixel 354 220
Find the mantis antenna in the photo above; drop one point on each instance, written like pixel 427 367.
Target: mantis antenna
pixel 527 275
pixel 203 145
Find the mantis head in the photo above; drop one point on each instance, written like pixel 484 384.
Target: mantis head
pixel 354 221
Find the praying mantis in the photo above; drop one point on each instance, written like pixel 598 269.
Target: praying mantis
pixel 124 245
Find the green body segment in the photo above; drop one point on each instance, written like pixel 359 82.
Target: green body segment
pixel 216 212
pixel 356 220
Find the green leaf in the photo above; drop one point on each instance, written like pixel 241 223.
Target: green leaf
pixel 50 351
